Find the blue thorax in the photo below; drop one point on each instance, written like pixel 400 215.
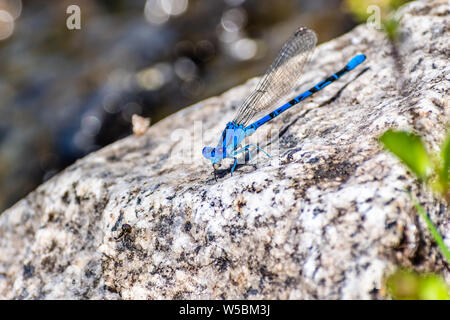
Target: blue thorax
pixel 231 138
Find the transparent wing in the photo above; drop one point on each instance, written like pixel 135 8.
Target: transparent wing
pixel 281 76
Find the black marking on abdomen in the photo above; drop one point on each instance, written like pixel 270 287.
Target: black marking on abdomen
pixel 341 72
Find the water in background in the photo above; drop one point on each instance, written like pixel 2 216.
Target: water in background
pixel 66 93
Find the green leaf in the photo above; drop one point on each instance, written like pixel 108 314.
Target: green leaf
pixel 409 149
pixel 433 288
pixel 391 28
pixel 410 285
pixel 358 8
pixel 434 232
pixel 445 156
pixel 395 4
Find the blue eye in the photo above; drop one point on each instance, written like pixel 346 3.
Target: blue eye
pixel 209 152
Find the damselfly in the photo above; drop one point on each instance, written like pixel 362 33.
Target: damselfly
pixel 278 81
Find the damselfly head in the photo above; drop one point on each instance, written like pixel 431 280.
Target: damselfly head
pixel 212 154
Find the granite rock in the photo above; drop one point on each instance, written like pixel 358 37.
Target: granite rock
pixel 326 218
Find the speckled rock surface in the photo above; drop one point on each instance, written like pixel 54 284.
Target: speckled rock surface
pixel 327 217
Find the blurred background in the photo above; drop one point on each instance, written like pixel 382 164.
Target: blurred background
pixel 65 93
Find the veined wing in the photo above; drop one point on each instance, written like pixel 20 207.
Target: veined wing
pixel 281 76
